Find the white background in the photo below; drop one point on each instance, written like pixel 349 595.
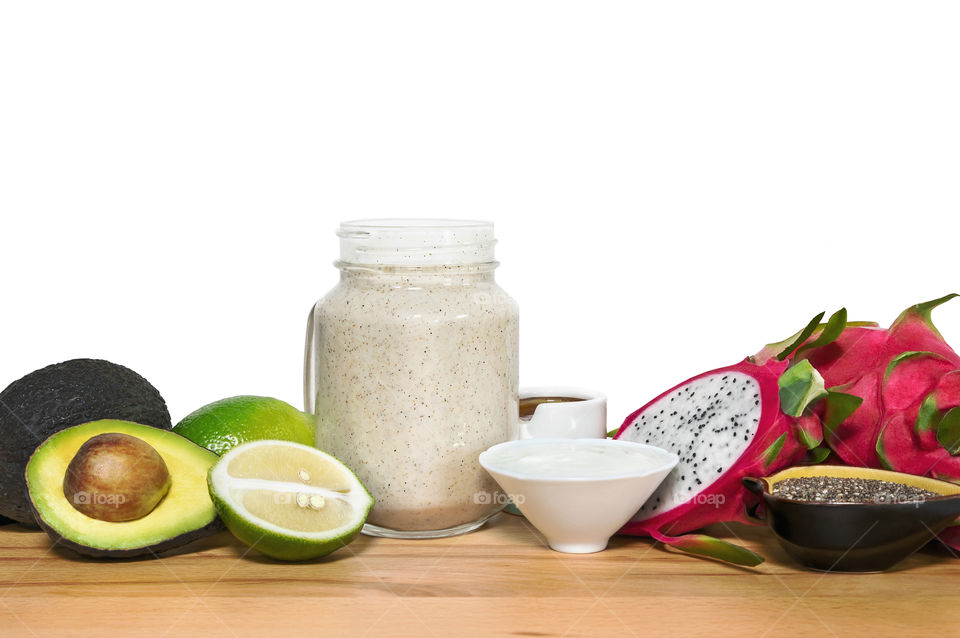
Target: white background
pixel 674 184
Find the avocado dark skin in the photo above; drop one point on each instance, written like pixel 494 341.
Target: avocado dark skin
pixel 177 542
pixel 60 396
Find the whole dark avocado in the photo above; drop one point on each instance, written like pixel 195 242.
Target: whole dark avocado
pixel 60 396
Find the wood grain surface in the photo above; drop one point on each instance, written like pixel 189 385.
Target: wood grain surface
pixel 498 581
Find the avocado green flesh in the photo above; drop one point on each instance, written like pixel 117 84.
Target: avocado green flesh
pixel 184 514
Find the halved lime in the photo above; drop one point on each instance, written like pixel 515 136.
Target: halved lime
pixel 287 500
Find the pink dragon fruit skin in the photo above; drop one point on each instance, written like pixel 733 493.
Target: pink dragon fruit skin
pixel 854 440
pixel 894 372
pixel 864 348
pixel 906 442
pixel 914 331
pixel 775 444
pixel 855 350
pixel 898 387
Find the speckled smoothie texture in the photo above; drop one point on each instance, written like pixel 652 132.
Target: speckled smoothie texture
pixel 417 373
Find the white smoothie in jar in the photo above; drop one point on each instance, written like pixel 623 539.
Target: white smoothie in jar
pixel 412 371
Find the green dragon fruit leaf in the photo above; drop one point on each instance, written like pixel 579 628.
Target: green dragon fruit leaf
pixel 809 441
pixel 833 328
pixel 818 455
pixel 800 386
pixel 903 356
pixel 928 414
pixel 948 431
pixel 782 349
pixel 710 547
pixel 924 310
pixel 612 433
pixel 800 337
pixel 881 452
pixel 837 407
pixel 770 454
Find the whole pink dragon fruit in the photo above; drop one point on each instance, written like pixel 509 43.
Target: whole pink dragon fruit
pixel 901 393
pixel 905 381
pixel 894 397
pixel 743 420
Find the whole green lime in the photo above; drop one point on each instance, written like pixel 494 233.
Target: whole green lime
pixel 225 424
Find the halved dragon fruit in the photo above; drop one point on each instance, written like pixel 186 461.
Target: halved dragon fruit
pixel 748 419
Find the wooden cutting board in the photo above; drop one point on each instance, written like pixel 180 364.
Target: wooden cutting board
pixel 498 581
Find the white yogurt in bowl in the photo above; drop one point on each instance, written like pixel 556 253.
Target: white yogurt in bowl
pixel 578 492
pixel 575 458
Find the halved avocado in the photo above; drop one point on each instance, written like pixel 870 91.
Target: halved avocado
pixel 57 397
pixel 185 514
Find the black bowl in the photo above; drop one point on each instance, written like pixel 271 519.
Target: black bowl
pixel 855 537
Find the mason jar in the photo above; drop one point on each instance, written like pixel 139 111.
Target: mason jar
pixel 411 369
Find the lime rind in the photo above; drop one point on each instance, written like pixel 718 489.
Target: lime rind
pixel 223 425
pixel 268 537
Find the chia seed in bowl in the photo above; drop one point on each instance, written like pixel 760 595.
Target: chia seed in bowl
pixel 834 489
pixel 839 518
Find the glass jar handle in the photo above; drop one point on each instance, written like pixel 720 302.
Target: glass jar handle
pixel 309 367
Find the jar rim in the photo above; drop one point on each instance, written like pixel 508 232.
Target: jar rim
pixel 416 241
pixel 410 223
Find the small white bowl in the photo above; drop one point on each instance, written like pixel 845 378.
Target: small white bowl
pixel 576 511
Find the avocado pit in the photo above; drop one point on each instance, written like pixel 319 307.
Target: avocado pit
pixel 116 477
